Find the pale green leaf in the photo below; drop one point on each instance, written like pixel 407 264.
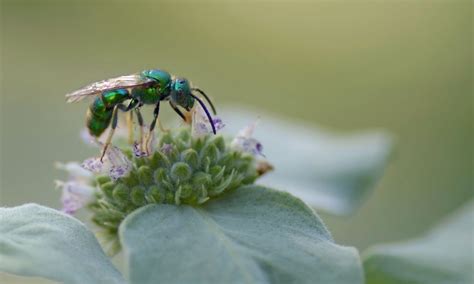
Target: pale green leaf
pixel 443 255
pixel 333 172
pixel 43 242
pixel 251 235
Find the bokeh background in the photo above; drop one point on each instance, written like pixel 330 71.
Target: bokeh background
pixel 403 66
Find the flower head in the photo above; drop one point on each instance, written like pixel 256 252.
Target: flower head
pixel 188 165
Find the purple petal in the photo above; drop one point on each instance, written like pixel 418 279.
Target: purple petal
pixel 167 148
pixel 218 123
pixel 118 171
pixel 93 164
pixel 137 151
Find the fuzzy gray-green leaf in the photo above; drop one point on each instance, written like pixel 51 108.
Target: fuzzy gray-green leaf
pixel 250 235
pixel 43 242
pixel 444 255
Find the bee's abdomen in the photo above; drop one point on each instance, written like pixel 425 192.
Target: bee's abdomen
pixel 100 111
pixel 98 117
pixel 97 125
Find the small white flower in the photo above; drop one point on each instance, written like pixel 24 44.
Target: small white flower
pixel 244 141
pixel 115 163
pixel 150 147
pixel 200 125
pixel 75 171
pixel 75 195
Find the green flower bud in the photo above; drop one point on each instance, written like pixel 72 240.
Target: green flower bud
pixel 130 180
pixel 201 179
pixel 219 142
pixel 121 194
pixel 190 156
pixel 210 151
pixel 216 172
pixel 184 135
pixel 145 175
pixel 181 171
pixel 108 188
pixel 160 174
pixel 155 194
pixel 167 138
pixel 137 195
pixel 102 179
pixel 159 160
pixel 187 191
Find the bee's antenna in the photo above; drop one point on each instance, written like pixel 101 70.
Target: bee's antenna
pixel 207 113
pixel 206 97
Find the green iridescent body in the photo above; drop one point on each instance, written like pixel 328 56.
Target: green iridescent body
pixel 100 112
pixel 131 92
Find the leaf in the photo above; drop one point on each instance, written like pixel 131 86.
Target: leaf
pixel 251 235
pixel 40 241
pixel 329 171
pixel 443 255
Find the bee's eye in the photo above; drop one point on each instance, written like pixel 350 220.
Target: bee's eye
pixel 181 82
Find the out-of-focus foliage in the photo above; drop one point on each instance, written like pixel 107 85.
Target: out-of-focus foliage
pixel 329 171
pixel 443 255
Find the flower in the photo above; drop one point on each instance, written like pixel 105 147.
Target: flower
pixel 75 170
pixel 244 141
pixel 166 148
pixel 77 191
pixel 75 195
pixel 115 163
pixel 200 125
pixel 137 150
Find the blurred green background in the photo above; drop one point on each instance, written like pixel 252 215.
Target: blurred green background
pixel 403 66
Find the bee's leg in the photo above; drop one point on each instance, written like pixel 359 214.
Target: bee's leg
pixel 111 132
pixel 130 127
pixel 133 103
pixel 162 128
pixel 156 112
pixel 176 109
pixel 141 124
pixel 123 108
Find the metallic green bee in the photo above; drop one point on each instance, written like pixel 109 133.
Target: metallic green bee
pixel 131 92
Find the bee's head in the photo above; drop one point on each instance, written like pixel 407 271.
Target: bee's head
pixel 181 93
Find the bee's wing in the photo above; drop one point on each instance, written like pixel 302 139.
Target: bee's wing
pixel 93 89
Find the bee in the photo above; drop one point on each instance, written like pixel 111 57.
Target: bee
pixel 131 92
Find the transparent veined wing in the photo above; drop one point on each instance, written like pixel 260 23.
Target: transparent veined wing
pixel 93 89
